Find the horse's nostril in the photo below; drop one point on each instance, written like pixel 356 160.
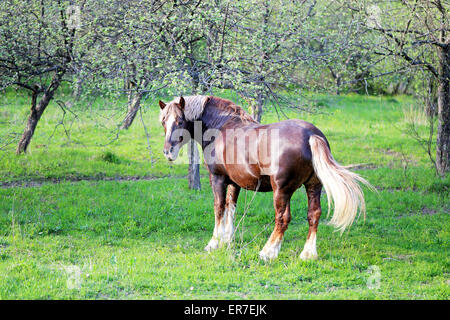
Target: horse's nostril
pixel 171 149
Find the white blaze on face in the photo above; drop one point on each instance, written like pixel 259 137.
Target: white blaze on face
pixel 172 153
pixel 169 124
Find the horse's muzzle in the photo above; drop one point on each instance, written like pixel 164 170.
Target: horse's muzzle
pixel 171 153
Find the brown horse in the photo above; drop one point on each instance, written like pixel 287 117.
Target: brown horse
pixel 280 157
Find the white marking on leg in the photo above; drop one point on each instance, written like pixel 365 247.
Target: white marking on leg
pixel 272 248
pixel 228 232
pixel 213 244
pixel 309 250
pixel 218 234
pixel 224 229
pixel 222 225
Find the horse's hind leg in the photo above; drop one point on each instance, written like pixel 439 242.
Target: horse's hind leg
pixel 281 202
pixel 313 190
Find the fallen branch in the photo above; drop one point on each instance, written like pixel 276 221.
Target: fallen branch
pixel 360 166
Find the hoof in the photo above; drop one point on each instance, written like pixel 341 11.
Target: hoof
pixel 308 255
pixel 268 254
pixel 213 244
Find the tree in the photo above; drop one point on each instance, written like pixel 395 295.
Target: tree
pixel 37 40
pixel 414 36
pixel 149 45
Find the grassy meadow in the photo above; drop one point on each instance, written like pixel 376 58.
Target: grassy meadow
pixel 91 212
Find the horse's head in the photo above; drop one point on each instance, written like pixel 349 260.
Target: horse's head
pixel 175 127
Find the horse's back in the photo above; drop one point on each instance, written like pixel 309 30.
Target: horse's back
pixel 294 156
pixel 293 135
pixel 296 127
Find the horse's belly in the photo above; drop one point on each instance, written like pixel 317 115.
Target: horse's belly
pixel 250 182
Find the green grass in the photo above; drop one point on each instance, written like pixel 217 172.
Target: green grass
pixel 145 239
pixel 360 129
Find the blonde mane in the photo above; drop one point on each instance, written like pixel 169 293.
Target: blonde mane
pixel 218 112
pixel 193 108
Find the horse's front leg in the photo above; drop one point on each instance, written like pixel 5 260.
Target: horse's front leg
pixel 230 209
pixel 219 188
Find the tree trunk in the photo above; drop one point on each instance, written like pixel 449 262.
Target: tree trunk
pixel 338 84
pixel 194 166
pixel 264 56
pixel 78 90
pixel 443 130
pixel 37 109
pixel 193 153
pixel 32 122
pixel 257 111
pixel 134 104
pixel 337 79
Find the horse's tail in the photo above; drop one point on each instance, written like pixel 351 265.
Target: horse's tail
pixel 341 185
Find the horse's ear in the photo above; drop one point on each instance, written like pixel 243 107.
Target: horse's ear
pixel 182 103
pixel 162 105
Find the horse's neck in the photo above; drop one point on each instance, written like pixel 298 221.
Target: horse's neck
pixel 210 131
pixel 219 118
pixel 213 118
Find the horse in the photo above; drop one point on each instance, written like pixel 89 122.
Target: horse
pixel 280 157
